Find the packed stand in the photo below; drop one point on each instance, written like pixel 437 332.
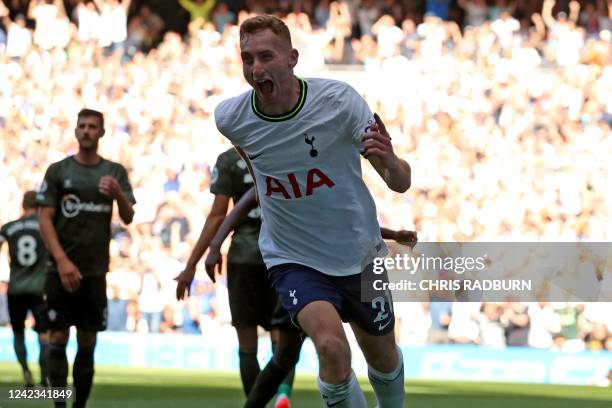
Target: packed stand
pixel 501 109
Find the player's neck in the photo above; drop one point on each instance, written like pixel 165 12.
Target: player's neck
pixel 289 97
pixel 87 157
pixel 29 212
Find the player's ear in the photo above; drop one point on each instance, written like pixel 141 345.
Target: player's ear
pixel 293 57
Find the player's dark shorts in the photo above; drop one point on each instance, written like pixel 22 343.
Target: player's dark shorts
pixel 252 300
pixel 298 285
pixel 86 308
pixel 18 306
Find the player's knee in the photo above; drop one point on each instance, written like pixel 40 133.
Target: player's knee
pixel 86 340
pixel 384 357
pixel 333 348
pixel 58 337
pixel 286 355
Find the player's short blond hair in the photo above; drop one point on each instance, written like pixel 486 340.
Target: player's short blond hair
pixel 263 22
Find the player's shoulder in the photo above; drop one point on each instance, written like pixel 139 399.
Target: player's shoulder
pixel 229 111
pixel 7 226
pixel 113 165
pixel 60 164
pixel 327 86
pixel 325 89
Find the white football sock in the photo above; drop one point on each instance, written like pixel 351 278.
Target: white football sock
pixel 345 395
pixel 389 387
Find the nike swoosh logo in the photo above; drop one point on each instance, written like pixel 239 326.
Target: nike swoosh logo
pixel 380 326
pixel 253 157
pixel 333 404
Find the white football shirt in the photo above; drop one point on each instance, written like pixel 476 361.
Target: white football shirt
pixel 316 209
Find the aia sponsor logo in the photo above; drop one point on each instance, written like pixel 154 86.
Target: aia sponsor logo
pixel 315 178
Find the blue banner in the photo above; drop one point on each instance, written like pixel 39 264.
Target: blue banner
pixel 441 362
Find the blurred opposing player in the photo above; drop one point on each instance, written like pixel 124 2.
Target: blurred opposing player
pixel 320 234
pixel 252 300
pixel 76 200
pixel 28 257
pixel 286 353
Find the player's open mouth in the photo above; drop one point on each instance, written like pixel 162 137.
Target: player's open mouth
pixel 265 87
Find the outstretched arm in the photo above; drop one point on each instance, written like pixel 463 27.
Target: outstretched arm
pixel 214 219
pixel 238 213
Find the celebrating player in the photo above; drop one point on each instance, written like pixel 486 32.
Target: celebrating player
pixel 320 233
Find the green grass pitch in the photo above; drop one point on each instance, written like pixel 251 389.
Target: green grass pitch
pixel 156 388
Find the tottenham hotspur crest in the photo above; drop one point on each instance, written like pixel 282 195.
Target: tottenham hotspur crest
pixel 310 140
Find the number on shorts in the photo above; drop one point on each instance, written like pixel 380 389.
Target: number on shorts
pixel 26 250
pixel 379 303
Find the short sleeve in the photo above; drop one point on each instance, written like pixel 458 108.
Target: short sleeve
pixel 2 234
pixel 221 180
pixel 47 195
pixel 359 115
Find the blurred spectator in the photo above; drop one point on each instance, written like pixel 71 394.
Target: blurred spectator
pixel 113 20
pixel 148 301
pixel 89 21
pixel 463 327
pixel 223 16
pixel 544 324
pixel 476 12
pixel 117 311
pixel 501 6
pixel 191 317
pixel 441 313
pixel 168 324
pixel 19 38
pixel 491 331
pixel 321 13
pixel 438 8
pixel 144 30
pixel 52 25
pixel 367 14
pixel 516 322
pixel 198 9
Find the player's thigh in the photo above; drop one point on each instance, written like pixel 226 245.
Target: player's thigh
pixel 251 298
pixel 18 310
pixel 61 305
pixel 92 303
pixel 297 286
pixel 321 321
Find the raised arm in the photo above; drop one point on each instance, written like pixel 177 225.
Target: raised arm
pixel 547 8
pixel 574 14
pixel 378 149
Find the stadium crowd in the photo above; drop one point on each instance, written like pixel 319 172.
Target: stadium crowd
pixel 505 119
